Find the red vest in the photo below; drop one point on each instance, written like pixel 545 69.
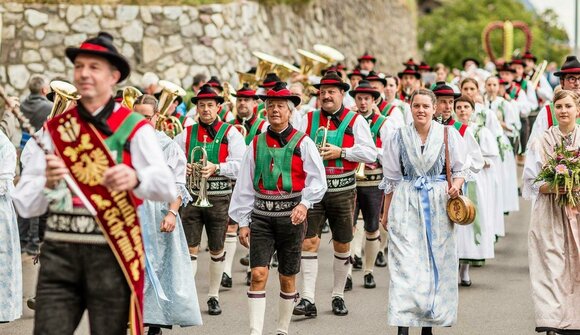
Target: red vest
pixel 348 139
pixel 223 150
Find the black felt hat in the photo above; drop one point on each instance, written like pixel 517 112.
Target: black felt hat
pixel 373 76
pixel 280 91
pixel 246 92
pixel 207 92
pixel 441 89
pixel 270 80
pixel 102 46
pixel 410 71
pixel 364 86
pixel 331 78
pixel 571 65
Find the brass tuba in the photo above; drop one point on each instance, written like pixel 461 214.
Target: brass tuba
pixel 196 181
pixel 168 123
pixel 320 140
pixel 130 94
pixel 64 95
pixel 311 64
pixel 329 53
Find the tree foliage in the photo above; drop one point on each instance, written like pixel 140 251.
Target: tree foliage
pixel 453 31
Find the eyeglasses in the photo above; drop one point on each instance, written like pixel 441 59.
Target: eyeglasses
pixel 148 117
pixel 572 80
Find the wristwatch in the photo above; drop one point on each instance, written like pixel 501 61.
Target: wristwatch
pixel 343 153
pixel 172 212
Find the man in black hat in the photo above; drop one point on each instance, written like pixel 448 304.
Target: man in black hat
pixel 569 75
pixel 544 90
pixel 369 196
pixel 269 81
pixel 224 146
pixel 224 111
pixel 409 82
pixel 250 125
pixel 345 142
pixel 366 62
pixel 79 270
pixel 395 115
pixel 281 178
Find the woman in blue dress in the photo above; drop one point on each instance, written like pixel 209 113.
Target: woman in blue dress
pixel 170 294
pixel 422 256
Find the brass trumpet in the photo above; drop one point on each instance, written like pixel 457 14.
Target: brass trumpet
pixel 64 95
pixel 168 123
pixel 321 142
pixel 130 94
pixel 196 181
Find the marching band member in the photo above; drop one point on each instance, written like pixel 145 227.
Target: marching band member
pixel 283 166
pixel 269 81
pixel 475 242
pixel 410 80
pixel 72 257
pixel 521 82
pixel 225 114
pixel 423 289
pixel 167 256
pixel 544 89
pixel 368 195
pixel 569 76
pixel 366 63
pixel 348 142
pixel 510 123
pixel 387 109
pixel 246 102
pixel 225 147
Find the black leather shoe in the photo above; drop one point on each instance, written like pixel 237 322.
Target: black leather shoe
pixel 245 261
pixel 31 303
pixel 275 260
pixel 154 331
pixel 466 283
pixel 370 281
pixel 381 261
pixel 348 285
pixel 248 278
pixel 357 263
pixel 338 306
pixel 325 228
pixel 403 331
pixel 226 280
pixel 427 331
pixel 305 308
pixel 213 306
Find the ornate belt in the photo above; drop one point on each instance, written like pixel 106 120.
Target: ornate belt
pixel 374 178
pixel 276 205
pixel 77 226
pixel 218 185
pixel 340 182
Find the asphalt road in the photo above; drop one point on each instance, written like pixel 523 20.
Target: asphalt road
pixel 498 302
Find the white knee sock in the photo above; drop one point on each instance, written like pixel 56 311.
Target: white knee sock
pixel 357 241
pixel 257 309
pixel 285 308
pixel 383 238
pixel 341 267
pixel 309 265
pixel 230 248
pixel 216 268
pixel 193 264
pixel 371 250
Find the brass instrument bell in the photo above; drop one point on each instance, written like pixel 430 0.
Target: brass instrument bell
pixel 196 181
pixel 329 53
pixel 310 63
pixel 168 123
pixel 130 94
pixel 64 95
pixel 321 142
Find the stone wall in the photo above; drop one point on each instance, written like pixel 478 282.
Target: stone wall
pixel 177 42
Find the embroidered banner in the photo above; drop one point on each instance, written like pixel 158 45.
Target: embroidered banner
pixel 87 157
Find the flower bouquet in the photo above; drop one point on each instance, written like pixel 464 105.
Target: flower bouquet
pixel 562 172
